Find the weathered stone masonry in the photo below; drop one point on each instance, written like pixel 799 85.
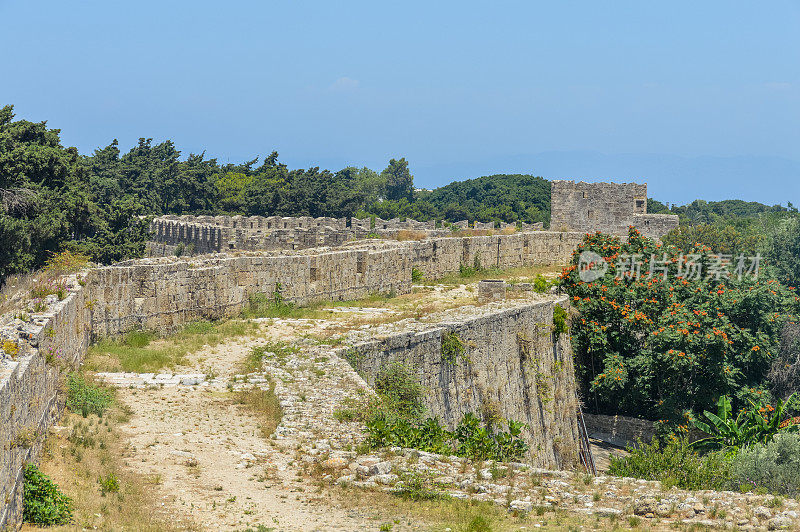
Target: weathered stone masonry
pixel 513 365
pixel 606 207
pixel 164 293
pixel 29 402
pixel 582 207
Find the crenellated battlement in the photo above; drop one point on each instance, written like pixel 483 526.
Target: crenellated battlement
pixel 213 234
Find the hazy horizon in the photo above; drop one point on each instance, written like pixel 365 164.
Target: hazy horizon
pixel 698 100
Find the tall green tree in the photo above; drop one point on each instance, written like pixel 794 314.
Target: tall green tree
pixel 399 181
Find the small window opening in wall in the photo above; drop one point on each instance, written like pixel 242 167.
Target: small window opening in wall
pixel 639 204
pixel 314 274
pixel 232 246
pixel 584 195
pixel 360 266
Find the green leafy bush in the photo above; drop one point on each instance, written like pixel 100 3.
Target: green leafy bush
pixel 471 438
pixel 43 503
pixel 783 251
pixel 754 425
pixel 466 271
pixel 399 391
pixel 260 305
pixel 86 398
pixel 560 323
pixel 721 237
pixel 674 464
pixel 774 466
pixel 476 263
pixel 412 487
pixel 108 484
pixel 416 275
pixel 540 284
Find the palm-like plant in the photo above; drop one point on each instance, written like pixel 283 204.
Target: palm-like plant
pixel 747 428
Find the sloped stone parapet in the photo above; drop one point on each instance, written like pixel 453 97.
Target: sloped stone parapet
pixel 508 363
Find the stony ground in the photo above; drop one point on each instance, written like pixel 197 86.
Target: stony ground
pixel 210 458
pixel 215 469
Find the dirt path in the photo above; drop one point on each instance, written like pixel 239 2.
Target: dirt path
pixel 209 457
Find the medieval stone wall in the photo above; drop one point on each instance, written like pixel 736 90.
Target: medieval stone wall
pixel 436 257
pixel 621 431
pixel 54 342
pixel 164 293
pixel 606 207
pixel 654 225
pixel 513 366
pixel 196 235
pixel 161 294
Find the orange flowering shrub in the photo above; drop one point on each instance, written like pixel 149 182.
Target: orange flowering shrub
pixel 663 343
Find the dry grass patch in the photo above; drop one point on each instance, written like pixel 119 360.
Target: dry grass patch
pixel 264 404
pixel 146 351
pixel 21 287
pixel 406 234
pixel 86 459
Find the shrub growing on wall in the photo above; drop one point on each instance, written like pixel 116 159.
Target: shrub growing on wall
pixel 662 346
pixel 397 386
pixel 471 438
pixel 86 398
pixel 452 347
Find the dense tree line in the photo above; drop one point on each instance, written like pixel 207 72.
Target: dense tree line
pixel 495 198
pixel 53 198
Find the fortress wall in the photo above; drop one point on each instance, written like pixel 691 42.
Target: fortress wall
pixel 210 234
pixel 513 366
pixel 601 207
pixel 437 257
pixel 162 294
pixel 29 391
pixel 606 207
pixel 204 238
pixel 655 225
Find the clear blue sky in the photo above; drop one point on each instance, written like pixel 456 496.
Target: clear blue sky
pixel 699 99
